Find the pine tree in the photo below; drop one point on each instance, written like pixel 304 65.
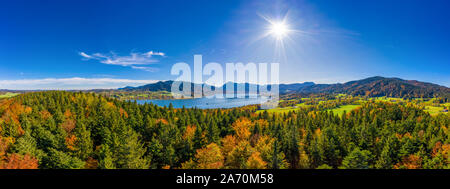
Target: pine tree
pixel 357 159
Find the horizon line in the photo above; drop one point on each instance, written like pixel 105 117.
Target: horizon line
pixel 139 83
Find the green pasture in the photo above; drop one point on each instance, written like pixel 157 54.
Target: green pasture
pixel 347 108
pixel 8 95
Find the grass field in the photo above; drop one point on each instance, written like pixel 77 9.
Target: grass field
pixel 8 95
pixel 341 109
pixel 431 105
pixel 285 109
pixel 388 99
pixel 278 110
pixel 433 110
pixel 336 111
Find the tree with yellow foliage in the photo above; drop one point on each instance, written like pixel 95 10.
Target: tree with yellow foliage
pixel 209 157
pixel 242 128
pixel 255 162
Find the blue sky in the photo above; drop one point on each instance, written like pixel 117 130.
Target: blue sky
pixel 107 44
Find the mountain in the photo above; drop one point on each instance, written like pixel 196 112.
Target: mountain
pixel 373 86
pixel 167 85
pixel 380 86
pixel 286 88
pixel 158 86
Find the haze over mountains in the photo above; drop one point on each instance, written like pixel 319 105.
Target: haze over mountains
pixel 373 86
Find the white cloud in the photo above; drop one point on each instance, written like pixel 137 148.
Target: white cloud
pixel 151 53
pixel 77 83
pixel 149 69
pixel 85 55
pixel 128 61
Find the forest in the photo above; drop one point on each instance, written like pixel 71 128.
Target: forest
pixel 80 130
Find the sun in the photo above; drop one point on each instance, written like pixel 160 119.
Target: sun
pixel 281 34
pixel 279 29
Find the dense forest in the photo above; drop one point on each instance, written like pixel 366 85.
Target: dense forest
pixel 70 130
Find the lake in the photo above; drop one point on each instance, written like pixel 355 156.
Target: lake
pixel 207 103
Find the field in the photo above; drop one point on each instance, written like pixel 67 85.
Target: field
pixel 8 95
pixel 433 110
pixel 346 108
pixel 284 109
pixel 278 110
pixel 388 99
pixel 348 103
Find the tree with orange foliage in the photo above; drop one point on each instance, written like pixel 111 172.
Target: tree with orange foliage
pixel 255 162
pixel 70 142
pixel 4 144
pixel 242 128
pixel 412 161
pixel 189 132
pixel 228 144
pixel 16 161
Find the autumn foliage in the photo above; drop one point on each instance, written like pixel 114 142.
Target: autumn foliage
pixel 16 161
pixel 209 157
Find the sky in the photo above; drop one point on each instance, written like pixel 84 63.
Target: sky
pixel 50 44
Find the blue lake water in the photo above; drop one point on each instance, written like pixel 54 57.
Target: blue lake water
pixel 207 103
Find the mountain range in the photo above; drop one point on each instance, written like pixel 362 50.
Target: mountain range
pixel 372 86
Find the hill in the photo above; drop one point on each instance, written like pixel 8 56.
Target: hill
pixel 158 86
pixel 380 86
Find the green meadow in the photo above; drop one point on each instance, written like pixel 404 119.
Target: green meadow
pixel 434 110
pixel 347 108
pixel 8 95
pixel 284 109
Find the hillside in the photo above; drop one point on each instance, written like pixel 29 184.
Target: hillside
pixel 380 86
